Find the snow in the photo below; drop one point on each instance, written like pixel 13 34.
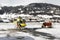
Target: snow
pixel 38 34
pixel 56 16
pixel 6 26
pixel 44 16
pixel 54 31
pixel 34 25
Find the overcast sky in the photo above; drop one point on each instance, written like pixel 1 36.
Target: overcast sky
pixel 25 2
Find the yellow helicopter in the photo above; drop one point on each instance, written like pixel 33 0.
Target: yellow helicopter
pixel 19 22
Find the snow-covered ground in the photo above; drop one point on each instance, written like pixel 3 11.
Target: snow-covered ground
pixel 38 34
pixel 6 26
